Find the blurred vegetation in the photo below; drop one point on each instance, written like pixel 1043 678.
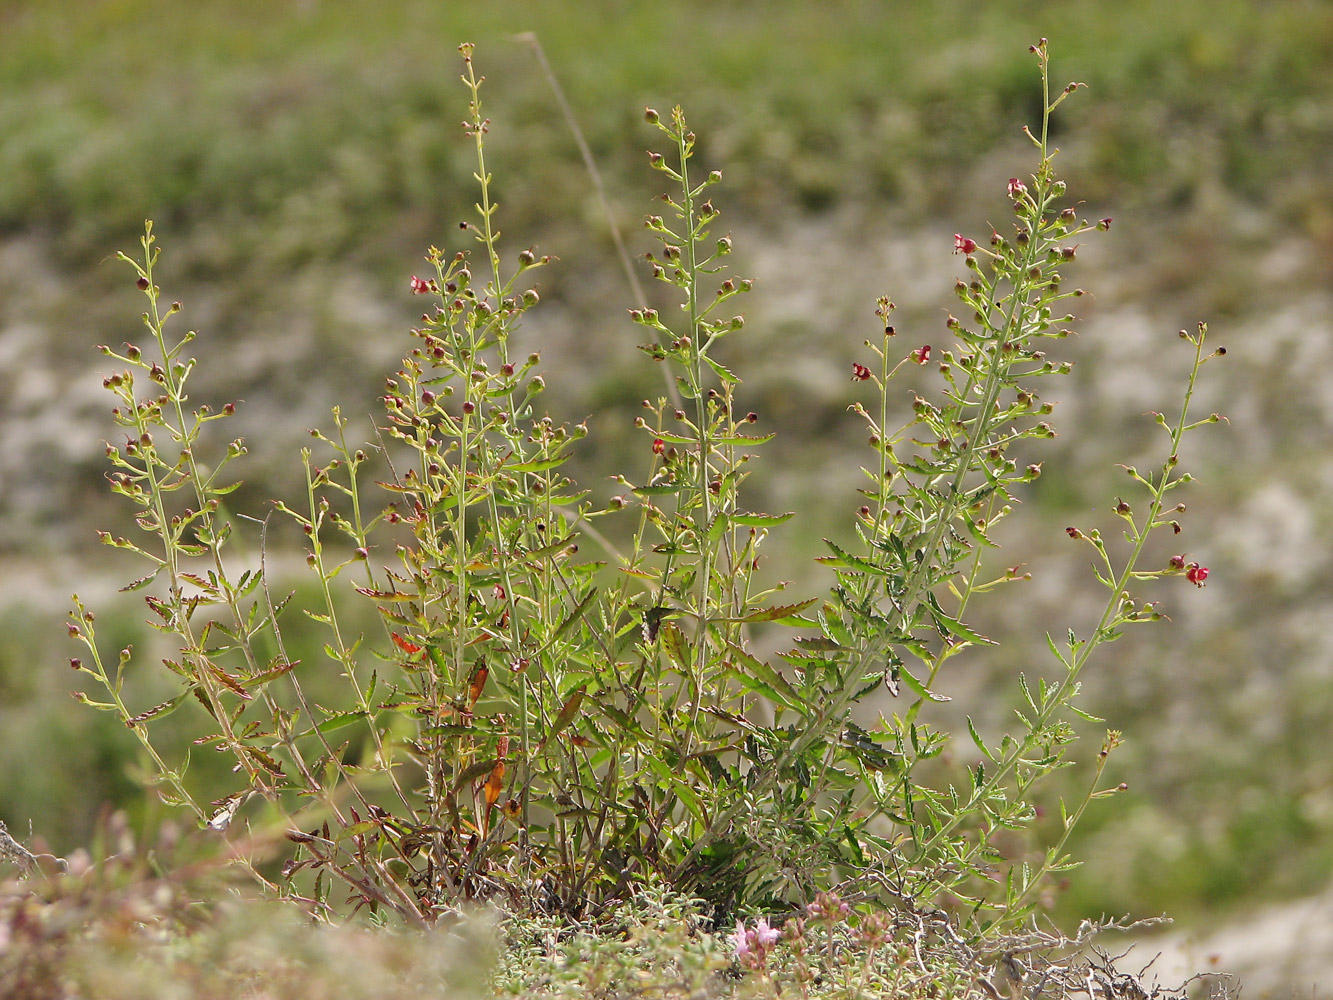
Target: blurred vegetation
pixel 298 157
pixel 269 135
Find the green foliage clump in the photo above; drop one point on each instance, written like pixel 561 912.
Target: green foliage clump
pixel 528 725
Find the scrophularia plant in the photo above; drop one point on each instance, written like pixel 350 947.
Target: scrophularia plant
pixel 550 717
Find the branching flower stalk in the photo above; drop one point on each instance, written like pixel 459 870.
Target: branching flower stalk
pixel 1011 307
pixel 1121 610
pixel 148 474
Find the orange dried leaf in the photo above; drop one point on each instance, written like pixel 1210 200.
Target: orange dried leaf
pixel 494 783
pixel 405 645
pixel 478 683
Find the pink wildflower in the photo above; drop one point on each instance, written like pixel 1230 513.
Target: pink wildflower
pixel 1196 574
pixel 922 354
pixel 740 941
pixel 961 244
pixel 752 946
pixel 1016 187
pixel 419 286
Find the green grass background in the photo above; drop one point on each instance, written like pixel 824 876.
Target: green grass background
pixel 297 158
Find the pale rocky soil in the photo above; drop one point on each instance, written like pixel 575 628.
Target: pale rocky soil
pixel 1278 951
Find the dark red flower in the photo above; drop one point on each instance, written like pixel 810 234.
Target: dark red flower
pixel 961 244
pixel 860 373
pixel 419 286
pixel 1196 574
pixel 922 354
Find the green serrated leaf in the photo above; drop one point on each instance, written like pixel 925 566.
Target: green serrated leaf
pixel 354 829
pixel 908 678
pixel 760 678
pixel 718 525
pixel 671 437
pixel 978 533
pixel 953 626
pixel 164 709
pixel 573 618
pixel 744 440
pixel 567 712
pixel 449 730
pixel 386 595
pixel 846 560
pixel 756 520
pixel 833 626
pixel 1027 693
pixel 142 582
pixel 475 771
pixel 777 613
pixel 661 490
pixel 673 641
pixel 101 706
pixel 1084 715
pixel 725 374
pixel 1055 651
pixel 339 720
pixel 817 644
pixel 971 728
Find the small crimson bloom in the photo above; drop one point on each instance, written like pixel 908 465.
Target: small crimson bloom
pixel 419 286
pixel 961 244
pixel 922 354
pixel 1196 574
pixel 1016 187
pixel 860 373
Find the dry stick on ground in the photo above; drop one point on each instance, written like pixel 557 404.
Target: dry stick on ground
pixel 23 859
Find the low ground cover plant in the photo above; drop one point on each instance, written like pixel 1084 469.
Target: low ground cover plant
pixel 568 701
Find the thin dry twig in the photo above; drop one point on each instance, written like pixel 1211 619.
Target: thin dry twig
pixel 23 859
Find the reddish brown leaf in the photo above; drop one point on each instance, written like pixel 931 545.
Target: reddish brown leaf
pixel 478 683
pixel 494 783
pixel 405 645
